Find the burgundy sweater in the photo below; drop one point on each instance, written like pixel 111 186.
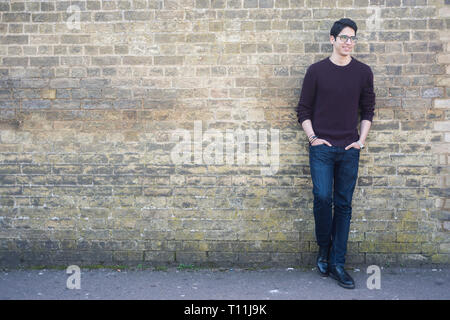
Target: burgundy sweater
pixel 331 97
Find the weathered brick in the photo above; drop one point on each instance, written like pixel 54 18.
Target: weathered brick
pixel 64 83
pixel 108 16
pixel 10 61
pixel 106 60
pixel 167 37
pixel 138 15
pixel 168 60
pixel 36 104
pixel 394 36
pixel 93 83
pixel 14 40
pixel 4 6
pixel 74 39
pixel 16 17
pixel 44 61
pixel 441 103
pixel 46 17
pixel 132 60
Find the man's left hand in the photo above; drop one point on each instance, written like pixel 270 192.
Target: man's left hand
pixel 353 145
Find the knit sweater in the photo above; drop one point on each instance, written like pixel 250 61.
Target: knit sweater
pixel 331 97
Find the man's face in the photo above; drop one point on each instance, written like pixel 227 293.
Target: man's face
pixel 343 47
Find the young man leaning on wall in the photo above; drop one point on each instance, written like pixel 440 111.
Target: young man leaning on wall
pixel 335 91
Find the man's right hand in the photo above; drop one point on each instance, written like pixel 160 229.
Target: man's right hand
pixel 320 141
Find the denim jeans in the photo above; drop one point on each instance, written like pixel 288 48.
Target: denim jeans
pixel 333 167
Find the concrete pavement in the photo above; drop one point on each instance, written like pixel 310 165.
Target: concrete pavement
pixel 222 284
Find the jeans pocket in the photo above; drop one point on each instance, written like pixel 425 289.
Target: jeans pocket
pixel 354 153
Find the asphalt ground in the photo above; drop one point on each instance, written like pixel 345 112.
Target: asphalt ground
pixel 222 284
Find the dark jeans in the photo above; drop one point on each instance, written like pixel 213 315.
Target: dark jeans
pixel 336 165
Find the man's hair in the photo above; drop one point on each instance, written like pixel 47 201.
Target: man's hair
pixel 341 24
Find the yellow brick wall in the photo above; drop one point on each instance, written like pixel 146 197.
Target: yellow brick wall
pixel 91 96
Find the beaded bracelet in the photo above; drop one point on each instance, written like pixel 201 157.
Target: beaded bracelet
pixel 312 138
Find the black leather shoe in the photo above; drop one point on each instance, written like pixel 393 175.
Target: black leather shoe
pixel 322 261
pixel 343 278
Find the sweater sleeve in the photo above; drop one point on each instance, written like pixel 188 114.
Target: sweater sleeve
pixel 305 105
pixel 367 98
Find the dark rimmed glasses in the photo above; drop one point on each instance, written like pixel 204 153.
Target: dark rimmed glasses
pixel 344 38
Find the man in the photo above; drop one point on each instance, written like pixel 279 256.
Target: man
pixel 335 90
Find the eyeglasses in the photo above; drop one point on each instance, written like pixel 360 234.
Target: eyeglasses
pixel 344 38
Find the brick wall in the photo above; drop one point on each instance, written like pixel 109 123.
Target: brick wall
pixel 93 95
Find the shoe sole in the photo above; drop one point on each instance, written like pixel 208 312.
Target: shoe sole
pixel 351 286
pixel 324 275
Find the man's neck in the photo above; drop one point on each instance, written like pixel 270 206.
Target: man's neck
pixel 340 60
